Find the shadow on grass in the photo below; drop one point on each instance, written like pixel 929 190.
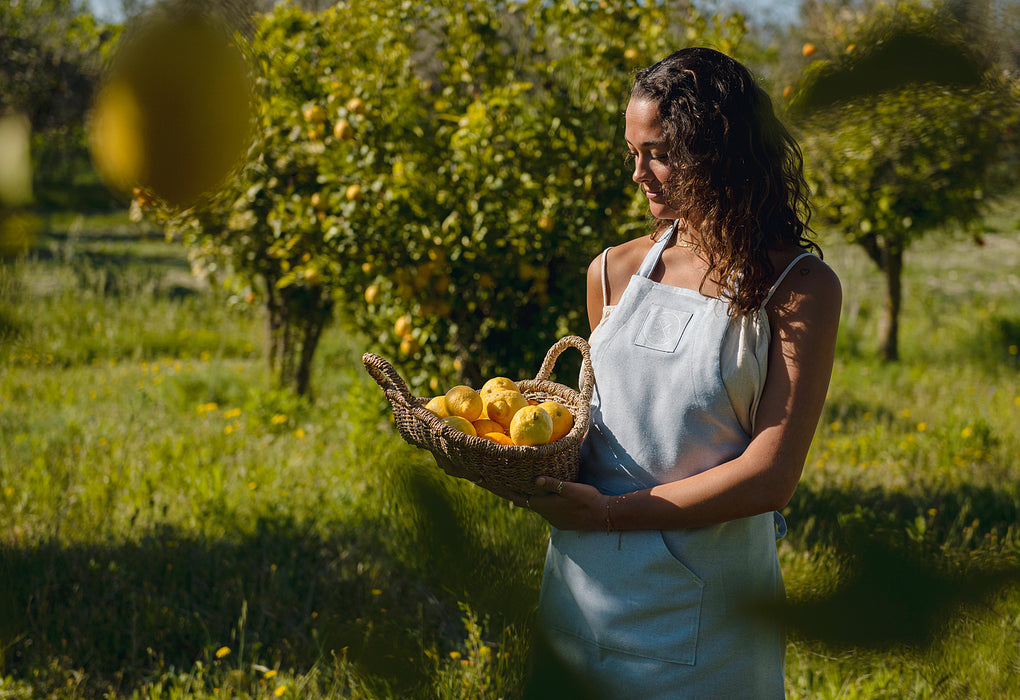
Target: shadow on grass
pixel 956 516
pixel 287 595
pixel 384 592
pixel 908 565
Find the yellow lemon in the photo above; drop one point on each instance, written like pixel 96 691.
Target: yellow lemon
pixel 501 406
pixel 562 419
pixel 437 404
pixel 173 120
pixel 403 325
pixel 499 438
pixel 484 425
pixel 498 384
pixel 464 401
pixel 531 425
pixel 409 345
pixel 343 130
pixel 461 424
pixel 315 114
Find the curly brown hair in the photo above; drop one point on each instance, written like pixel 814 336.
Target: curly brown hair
pixel 738 173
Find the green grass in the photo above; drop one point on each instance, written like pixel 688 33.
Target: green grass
pixel 169 528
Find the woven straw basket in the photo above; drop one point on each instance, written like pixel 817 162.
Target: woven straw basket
pixel 512 466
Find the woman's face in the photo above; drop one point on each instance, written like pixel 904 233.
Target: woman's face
pixel 649 150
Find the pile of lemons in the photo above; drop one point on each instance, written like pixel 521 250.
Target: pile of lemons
pixel 500 412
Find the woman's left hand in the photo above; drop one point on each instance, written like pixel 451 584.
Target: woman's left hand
pixel 566 505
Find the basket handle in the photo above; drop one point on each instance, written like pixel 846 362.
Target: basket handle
pixel 387 377
pixel 587 373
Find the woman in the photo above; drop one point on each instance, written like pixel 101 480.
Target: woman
pixel 712 343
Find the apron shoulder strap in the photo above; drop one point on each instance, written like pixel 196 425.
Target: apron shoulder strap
pixel 652 258
pixel 605 284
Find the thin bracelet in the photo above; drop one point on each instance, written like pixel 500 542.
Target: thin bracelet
pixel 609 515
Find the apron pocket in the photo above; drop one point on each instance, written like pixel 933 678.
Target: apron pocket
pixel 662 328
pixel 623 592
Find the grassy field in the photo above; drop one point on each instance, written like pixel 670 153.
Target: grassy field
pixel 169 528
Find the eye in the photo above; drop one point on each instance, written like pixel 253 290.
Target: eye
pixel 629 156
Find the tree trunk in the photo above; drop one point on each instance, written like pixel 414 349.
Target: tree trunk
pixel 892 266
pixel 295 319
pixel 313 327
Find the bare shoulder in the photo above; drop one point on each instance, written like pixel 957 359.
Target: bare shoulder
pixel 811 290
pixel 626 255
pixel 621 263
pixel 809 275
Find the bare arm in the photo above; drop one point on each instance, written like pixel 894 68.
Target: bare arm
pixel 804 316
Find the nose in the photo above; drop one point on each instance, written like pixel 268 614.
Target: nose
pixel 641 172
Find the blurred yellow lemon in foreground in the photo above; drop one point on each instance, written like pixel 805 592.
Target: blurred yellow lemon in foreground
pixel 562 419
pixel 15 160
pixel 174 113
pixel 461 424
pixel 464 401
pixel 531 426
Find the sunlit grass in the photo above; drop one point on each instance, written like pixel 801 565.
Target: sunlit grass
pixel 170 528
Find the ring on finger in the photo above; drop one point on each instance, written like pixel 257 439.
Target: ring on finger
pixel 527 502
pixel 559 487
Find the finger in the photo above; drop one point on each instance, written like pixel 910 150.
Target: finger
pixel 550 485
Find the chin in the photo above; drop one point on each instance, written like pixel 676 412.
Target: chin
pixel 659 211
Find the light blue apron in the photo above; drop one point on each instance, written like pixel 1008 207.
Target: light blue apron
pixel 663 614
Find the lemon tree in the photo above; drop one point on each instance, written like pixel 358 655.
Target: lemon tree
pixel 896 154
pixel 286 234
pixel 488 220
pixel 436 176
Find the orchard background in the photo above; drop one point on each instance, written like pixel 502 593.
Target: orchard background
pixel 201 492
